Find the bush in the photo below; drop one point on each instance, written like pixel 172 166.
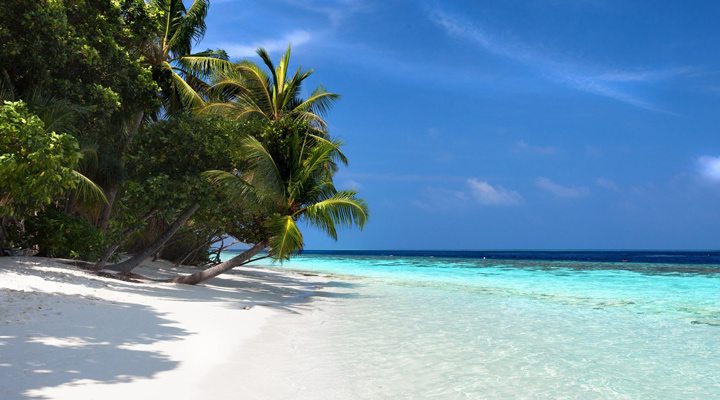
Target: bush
pixel 35 165
pixel 60 235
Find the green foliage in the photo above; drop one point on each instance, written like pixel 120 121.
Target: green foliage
pixel 35 166
pixel 57 234
pixel 87 54
pixel 165 167
pixel 294 183
pixel 248 92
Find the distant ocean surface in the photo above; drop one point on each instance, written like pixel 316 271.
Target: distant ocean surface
pixel 520 324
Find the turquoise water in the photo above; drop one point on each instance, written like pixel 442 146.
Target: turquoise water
pixel 424 327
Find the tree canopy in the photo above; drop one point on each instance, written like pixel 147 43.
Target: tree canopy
pixel 118 137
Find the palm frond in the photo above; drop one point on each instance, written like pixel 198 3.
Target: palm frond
pixel 204 64
pixel 319 102
pixel 189 28
pixel 286 237
pixel 269 64
pixel 340 209
pixel 187 95
pixel 88 190
pixel 266 173
pixel 230 181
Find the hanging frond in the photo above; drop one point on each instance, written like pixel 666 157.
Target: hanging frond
pixel 266 175
pixel 205 63
pixel 286 237
pixel 233 184
pixel 87 190
pixel 187 95
pixel 339 209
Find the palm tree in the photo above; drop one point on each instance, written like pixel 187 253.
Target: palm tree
pixel 250 92
pixel 177 70
pixel 297 190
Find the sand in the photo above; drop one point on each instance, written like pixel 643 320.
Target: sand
pixel 67 334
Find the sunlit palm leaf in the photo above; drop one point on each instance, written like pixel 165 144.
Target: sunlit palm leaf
pixel 204 65
pixel 340 209
pixel 185 93
pixel 286 237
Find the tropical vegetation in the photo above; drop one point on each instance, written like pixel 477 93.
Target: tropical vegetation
pixel 120 142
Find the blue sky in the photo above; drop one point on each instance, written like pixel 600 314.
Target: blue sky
pixel 537 124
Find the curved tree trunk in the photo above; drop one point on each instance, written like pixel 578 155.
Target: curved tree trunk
pixel 240 259
pixel 134 261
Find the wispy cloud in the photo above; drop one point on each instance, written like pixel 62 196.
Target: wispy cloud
pixel 523 146
pixel 709 168
pixel 487 194
pixel 606 183
pixel 559 190
pixel 239 50
pixel 611 84
pixel 336 11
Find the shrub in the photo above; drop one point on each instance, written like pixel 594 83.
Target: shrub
pixel 60 235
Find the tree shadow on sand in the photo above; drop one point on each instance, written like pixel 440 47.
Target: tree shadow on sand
pixel 62 345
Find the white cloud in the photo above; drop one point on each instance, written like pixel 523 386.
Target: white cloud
pixel 561 191
pixel 486 194
pixel 239 50
pixel 606 183
pixel 709 168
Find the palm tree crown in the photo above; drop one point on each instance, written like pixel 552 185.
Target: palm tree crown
pixel 253 93
pixel 178 71
pixel 298 188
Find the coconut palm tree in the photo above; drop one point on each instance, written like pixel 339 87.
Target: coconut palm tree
pixel 247 92
pixel 178 71
pixel 250 92
pixel 297 189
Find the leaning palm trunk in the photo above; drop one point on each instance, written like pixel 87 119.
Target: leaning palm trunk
pixel 133 262
pixel 240 259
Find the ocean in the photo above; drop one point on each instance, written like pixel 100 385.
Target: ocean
pixel 519 324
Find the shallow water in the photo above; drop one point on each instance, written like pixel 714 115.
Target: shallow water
pixel 453 328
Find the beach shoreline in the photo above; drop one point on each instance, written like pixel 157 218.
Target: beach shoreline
pixel 70 334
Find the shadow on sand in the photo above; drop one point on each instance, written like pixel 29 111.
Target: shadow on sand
pixel 65 346
pixel 62 344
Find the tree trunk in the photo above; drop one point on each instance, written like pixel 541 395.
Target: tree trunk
pixel 134 261
pixel 105 257
pixel 112 192
pixel 240 259
pixel 107 209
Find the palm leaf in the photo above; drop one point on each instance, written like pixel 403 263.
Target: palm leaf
pixel 204 64
pixel 186 94
pixel 340 209
pixel 286 237
pixel 266 175
pixel 88 190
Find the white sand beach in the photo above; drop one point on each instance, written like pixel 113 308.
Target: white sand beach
pixel 67 334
